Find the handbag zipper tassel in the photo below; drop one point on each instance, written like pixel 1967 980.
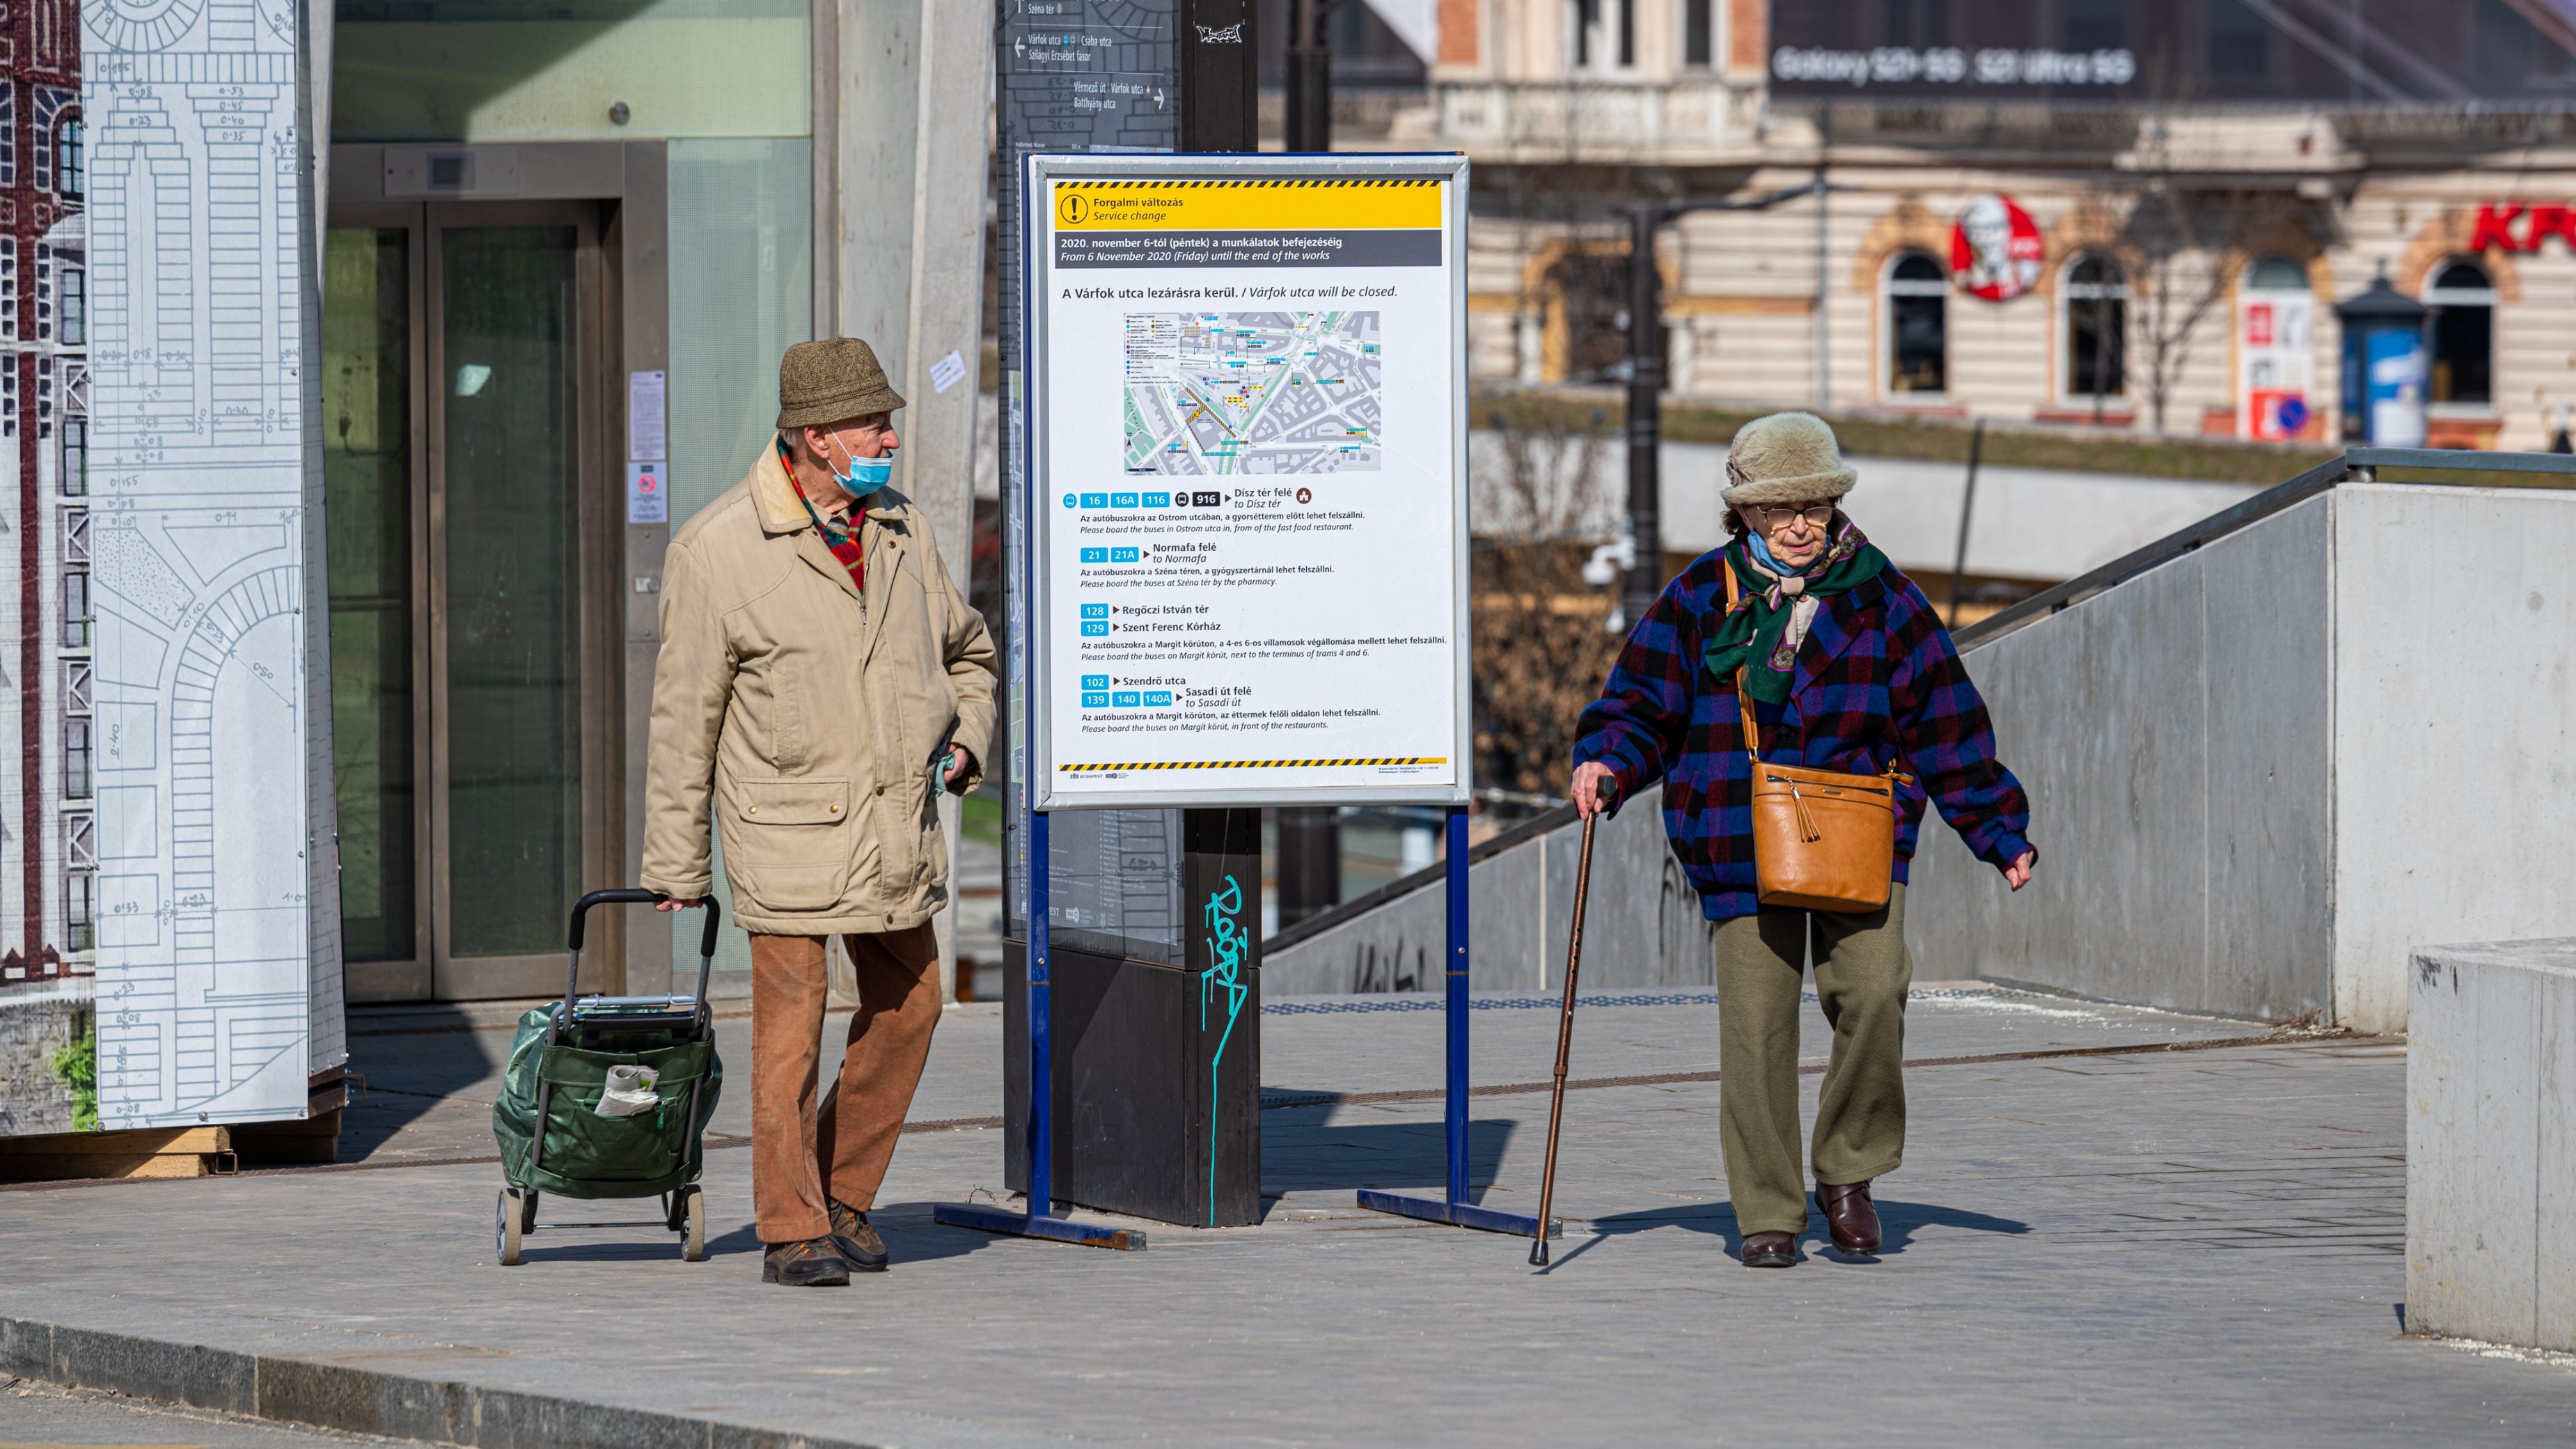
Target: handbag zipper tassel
pixel 1806 822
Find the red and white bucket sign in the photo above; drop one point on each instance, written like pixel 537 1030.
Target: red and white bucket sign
pixel 1995 249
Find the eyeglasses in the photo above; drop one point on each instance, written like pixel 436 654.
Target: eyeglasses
pixel 1820 515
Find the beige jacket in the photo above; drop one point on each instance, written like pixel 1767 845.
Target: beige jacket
pixel 806 728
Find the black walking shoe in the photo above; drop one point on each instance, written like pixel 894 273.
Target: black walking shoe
pixel 812 1263
pixel 856 1242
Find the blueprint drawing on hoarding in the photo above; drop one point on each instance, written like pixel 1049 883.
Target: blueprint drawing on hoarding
pixel 206 925
pixel 1211 393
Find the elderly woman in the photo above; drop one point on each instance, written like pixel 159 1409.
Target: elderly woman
pixel 1847 669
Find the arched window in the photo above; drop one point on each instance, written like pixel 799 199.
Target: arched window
pixel 1918 325
pixel 68 160
pixel 2462 297
pixel 2277 274
pixel 1591 303
pixel 2097 328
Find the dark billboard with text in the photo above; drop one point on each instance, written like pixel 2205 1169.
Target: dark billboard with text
pixel 2341 53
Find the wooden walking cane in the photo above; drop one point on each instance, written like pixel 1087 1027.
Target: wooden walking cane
pixel 1565 1035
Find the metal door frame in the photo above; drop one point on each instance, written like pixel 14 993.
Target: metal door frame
pixel 624 186
pixel 384 981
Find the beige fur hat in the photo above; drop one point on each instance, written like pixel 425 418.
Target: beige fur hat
pixel 1785 458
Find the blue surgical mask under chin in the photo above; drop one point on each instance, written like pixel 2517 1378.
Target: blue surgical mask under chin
pixel 866 475
pixel 1761 552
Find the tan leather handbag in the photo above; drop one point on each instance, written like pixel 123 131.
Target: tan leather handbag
pixel 1822 841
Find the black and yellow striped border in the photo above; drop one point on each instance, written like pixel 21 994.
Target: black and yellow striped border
pixel 1315 181
pixel 1256 764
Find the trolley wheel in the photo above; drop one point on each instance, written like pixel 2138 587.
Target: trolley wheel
pixel 675 1209
pixel 528 1210
pixel 693 1233
pixel 507 1223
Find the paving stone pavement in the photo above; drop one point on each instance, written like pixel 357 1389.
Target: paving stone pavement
pixel 429 1074
pixel 2128 1248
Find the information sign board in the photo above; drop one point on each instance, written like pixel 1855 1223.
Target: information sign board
pixel 1248 475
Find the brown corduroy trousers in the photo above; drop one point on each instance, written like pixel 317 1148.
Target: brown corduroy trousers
pixel 798 1144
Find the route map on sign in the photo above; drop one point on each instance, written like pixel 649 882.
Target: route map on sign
pixel 1218 393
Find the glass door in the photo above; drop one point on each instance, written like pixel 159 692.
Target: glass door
pixel 510 435
pixel 461 419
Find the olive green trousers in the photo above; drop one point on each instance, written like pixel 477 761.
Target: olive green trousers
pixel 1862 973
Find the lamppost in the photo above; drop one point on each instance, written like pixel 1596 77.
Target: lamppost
pixel 1310 76
pixel 1646 383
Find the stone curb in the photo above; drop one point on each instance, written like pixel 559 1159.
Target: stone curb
pixel 364 1401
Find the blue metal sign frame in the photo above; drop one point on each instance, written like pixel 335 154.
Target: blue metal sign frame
pixel 1453 1208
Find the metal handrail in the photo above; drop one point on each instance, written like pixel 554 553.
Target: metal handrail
pixel 2353 465
pixel 1428 876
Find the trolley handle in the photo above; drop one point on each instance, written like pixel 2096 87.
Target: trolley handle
pixel 635 896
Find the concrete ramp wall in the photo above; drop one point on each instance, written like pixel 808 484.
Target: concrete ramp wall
pixel 2262 772
pixel 2266 770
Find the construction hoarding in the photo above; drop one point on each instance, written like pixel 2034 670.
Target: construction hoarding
pixel 168 895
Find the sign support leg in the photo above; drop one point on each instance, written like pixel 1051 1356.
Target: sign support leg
pixel 1040 1220
pixel 1453 1208
pixel 1455 1010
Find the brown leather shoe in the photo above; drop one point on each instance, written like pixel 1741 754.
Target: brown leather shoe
pixel 1850 1216
pixel 856 1240
pixel 809 1264
pixel 1770 1250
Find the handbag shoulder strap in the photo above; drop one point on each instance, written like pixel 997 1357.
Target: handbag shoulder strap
pixel 1743 696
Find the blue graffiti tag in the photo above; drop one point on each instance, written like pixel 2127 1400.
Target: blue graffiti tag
pixel 1226 946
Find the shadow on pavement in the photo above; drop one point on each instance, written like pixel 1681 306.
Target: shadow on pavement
pixel 1303 1151
pixel 1898 1222
pixel 426 1077
pixel 911 1236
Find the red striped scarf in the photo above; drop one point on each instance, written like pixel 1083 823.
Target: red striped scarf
pixel 841 538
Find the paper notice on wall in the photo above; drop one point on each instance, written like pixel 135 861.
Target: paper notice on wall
pixel 647 500
pixel 2273 364
pixel 947 372
pixel 647 407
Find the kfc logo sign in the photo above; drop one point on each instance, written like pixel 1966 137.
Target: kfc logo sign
pixel 2514 227
pixel 1995 249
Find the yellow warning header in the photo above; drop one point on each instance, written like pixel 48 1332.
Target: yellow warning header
pixel 1275 205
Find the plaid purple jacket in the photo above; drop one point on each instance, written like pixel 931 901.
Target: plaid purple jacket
pixel 1877 681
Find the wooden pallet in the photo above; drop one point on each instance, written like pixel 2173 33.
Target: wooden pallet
pixel 184 1151
pixel 146 1152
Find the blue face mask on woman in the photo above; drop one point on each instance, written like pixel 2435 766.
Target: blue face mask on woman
pixel 866 475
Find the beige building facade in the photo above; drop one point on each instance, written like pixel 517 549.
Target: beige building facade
pixel 2166 268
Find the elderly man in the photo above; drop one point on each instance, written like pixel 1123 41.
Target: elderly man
pixel 820 682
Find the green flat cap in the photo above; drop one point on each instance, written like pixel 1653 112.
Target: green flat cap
pixel 831 381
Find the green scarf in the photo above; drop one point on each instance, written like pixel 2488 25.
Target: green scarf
pixel 1769 620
